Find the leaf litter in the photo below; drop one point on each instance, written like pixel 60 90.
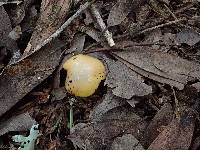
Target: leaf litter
pixel 149 99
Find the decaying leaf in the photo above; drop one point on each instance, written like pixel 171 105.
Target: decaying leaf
pixel 109 102
pixel 121 9
pixel 189 37
pixel 160 66
pixel 100 135
pixel 157 37
pixel 177 135
pixel 20 122
pixel 119 12
pixel 5 29
pixel 51 18
pixel 126 142
pixel 163 117
pixel 93 33
pixel 196 86
pixel 125 82
pixel 19 79
pixel 77 43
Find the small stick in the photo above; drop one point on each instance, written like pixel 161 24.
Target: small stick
pixel 160 26
pixel 173 15
pixel 156 27
pixel 102 25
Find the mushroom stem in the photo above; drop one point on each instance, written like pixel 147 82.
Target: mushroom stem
pixel 71 116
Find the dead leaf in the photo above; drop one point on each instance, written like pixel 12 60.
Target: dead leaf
pixel 21 122
pixel 119 12
pixel 109 102
pixel 5 29
pixel 100 135
pixel 51 18
pixel 163 117
pixel 19 79
pixel 93 33
pixel 77 43
pixel 196 86
pixel 121 9
pixel 189 37
pixel 88 17
pixel 177 135
pixel 126 142
pixel 17 14
pixel 125 82
pixel 159 66
pixel 157 37
pixel 58 93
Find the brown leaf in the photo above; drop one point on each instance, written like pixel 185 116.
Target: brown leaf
pixel 77 43
pixel 163 117
pixel 126 142
pixel 109 102
pixel 18 13
pixel 177 135
pixel 119 12
pixel 52 16
pixel 125 82
pixel 189 37
pixel 100 135
pixel 159 66
pixel 158 37
pixel 121 9
pixel 19 79
pixel 21 122
pixel 5 29
pixel 196 86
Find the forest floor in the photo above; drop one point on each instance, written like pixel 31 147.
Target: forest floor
pixel 149 98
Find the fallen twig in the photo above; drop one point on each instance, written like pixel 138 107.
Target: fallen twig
pixel 160 26
pixel 102 25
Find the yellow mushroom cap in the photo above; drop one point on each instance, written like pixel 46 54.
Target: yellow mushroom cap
pixel 84 73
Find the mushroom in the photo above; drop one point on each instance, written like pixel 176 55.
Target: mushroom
pixel 84 74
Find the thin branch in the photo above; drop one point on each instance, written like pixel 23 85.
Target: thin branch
pixel 102 25
pixel 173 15
pixel 160 26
